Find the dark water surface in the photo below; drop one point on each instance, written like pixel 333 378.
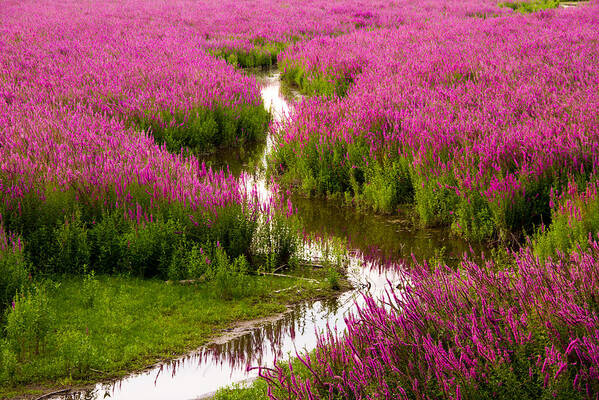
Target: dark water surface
pixel 218 365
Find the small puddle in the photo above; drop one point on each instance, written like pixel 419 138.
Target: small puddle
pixel 226 361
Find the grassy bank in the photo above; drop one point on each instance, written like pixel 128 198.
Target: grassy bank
pixel 75 330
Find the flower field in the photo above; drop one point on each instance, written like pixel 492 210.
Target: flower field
pixel 473 116
pixel 487 125
pixel 486 331
pixel 474 121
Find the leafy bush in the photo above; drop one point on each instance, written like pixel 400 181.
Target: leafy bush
pixel 89 290
pixel 72 246
pixel 435 200
pixel 575 219
pixel 333 278
pixel 202 129
pixel 28 322
pixel 388 184
pixel 190 263
pixel 13 270
pixel 231 280
pixel 261 55
pixel 147 250
pixel 8 362
pixel 77 352
pixel 526 7
pixel 278 240
pixel 105 242
pixel 316 83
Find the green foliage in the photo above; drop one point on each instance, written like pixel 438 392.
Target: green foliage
pixel 436 201
pixel 68 239
pixel 333 278
pixel 278 240
pixel 147 251
pixel 28 322
pixel 231 280
pixel 473 218
pixel 262 55
pixel 106 244
pixel 77 352
pixel 89 290
pixel 13 274
pixel 257 390
pixel 115 323
pixel 72 252
pixel 312 83
pixel 189 263
pixel 388 185
pixel 566 233
pixel 526 7
pixel 8 362
pixel 202 129
pixel 234 232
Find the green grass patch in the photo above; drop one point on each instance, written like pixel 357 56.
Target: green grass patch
pixel 257 390
pixel 573 222
pixel 76 330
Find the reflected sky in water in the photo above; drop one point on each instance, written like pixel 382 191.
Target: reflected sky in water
pixel 217 365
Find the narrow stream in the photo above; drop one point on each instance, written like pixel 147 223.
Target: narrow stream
pixel 200 374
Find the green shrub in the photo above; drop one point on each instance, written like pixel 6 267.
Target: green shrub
pixel 435 201
pixel 316 83
pixel 13 274
pixel 526 7
pixel 567 233
pixel 333 278
pixel 77 352
pixel 263 55
pixel 473 218
pixel 257 390
pixel 147 250
pixel 72 246
pixel 8 362
pixel 231 280
pixel 28 322
pixel 189 263
pixel 89 290
pixel 279 240
pixel 105 242
pixel 234 232
pixel 201 129
pixel 388 185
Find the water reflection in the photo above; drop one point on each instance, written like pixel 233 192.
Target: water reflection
pixel 277 98
pixel 217 365
pixel 388 238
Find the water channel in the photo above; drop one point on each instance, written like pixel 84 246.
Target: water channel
pixel 225 361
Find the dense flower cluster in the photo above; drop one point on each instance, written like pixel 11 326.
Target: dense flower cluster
pixel 473 120
pixel 483 331
pixel 485 124
pixel 96 104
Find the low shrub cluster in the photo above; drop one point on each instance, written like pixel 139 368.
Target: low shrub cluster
pixel 202 129
pixel 258 54
pixel 14 270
